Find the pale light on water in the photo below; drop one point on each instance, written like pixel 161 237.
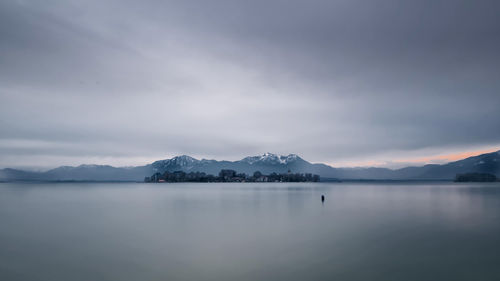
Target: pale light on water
pixel 282 231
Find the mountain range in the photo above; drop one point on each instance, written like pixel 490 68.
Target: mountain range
pixel 266 164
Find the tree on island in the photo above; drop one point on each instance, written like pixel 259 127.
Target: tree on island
pixel 227 175
pixel 475 177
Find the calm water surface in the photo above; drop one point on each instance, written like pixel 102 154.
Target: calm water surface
pixel 363 231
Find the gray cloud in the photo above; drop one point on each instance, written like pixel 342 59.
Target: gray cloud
pixel 123 82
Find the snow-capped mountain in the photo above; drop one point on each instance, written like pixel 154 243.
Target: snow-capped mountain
pixel 267 162
pixel 270 158
pixel 178 163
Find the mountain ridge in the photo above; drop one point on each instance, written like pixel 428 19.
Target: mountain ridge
pixel 266 163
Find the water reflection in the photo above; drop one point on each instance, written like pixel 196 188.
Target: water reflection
pixel 272 231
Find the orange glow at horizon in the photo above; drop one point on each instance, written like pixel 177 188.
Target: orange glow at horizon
pixel 432 159
pixel 448 157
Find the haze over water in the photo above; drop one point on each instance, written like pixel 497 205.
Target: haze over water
pixel 279 231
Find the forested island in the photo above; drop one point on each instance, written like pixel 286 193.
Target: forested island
pixel 475 177
pixel 231 176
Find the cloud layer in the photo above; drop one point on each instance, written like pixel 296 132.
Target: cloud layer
pixel 126 82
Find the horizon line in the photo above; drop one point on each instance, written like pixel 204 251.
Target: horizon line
pixel 446 158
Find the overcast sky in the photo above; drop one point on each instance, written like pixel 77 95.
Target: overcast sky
pixel 349 83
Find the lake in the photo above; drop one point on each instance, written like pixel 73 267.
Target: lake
pixel 250 231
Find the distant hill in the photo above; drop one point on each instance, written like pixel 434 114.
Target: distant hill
pixel 266 163
pixel 79 173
